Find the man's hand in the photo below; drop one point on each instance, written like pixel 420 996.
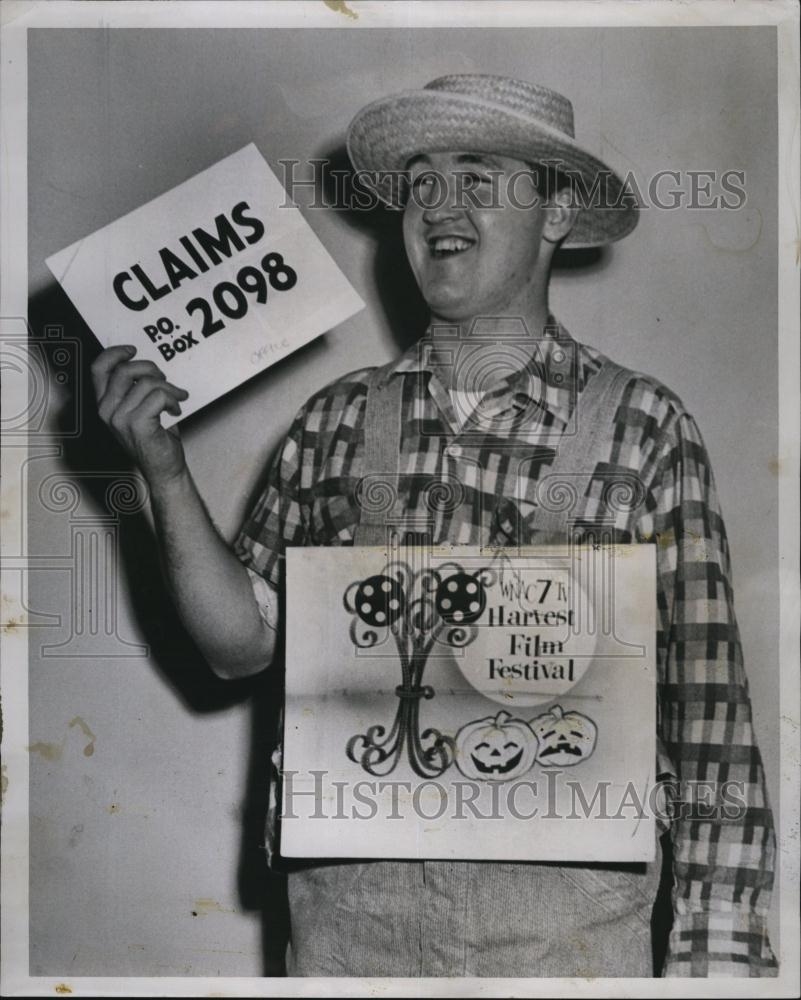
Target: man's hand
pixel 131 397
pixel 210 586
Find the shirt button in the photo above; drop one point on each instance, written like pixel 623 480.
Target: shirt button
pixel 455 451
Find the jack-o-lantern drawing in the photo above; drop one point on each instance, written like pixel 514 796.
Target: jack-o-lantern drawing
pixel 379 601
pixel 565 738
pixel 496 748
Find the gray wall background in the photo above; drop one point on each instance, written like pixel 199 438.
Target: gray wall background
pixel 144 853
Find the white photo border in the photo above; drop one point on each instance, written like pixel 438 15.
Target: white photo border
pixel 17 18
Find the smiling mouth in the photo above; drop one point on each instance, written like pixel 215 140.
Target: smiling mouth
pixel 507 765
pixel 448 246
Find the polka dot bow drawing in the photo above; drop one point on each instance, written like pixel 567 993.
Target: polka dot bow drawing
pixel 414 610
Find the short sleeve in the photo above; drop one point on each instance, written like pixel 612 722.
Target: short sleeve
pixel 277 520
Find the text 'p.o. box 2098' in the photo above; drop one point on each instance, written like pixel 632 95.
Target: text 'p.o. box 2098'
pixel 214 280
pixel 459 703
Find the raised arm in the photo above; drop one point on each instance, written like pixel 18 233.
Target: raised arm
pixel 211 588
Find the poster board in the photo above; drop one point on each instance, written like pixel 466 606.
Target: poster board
pixel 214 281
pixel 456 703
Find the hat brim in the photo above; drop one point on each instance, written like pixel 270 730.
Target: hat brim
pixel 386 134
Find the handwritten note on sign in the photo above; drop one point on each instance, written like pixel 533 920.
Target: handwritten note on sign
pixel 463 703
pixel 214 281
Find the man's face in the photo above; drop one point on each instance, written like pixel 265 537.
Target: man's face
pixel 480 255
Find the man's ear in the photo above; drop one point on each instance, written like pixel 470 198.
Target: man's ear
pixel 560 216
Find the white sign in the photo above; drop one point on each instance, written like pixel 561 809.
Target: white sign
pixel 459 703
pixel 215 280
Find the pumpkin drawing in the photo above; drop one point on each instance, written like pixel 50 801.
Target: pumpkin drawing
pixel 565 738
pixel 495 748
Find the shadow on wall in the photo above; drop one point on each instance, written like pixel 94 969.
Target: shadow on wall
pixel 173 655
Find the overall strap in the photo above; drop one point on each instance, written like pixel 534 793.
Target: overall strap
pixel 382 438
pixel 577 455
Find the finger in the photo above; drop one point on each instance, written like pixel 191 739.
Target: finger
pixel 146 415
pixel 140 390
pixel 120 381
pixel 105 362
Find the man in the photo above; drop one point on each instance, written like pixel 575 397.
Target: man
pixel 482 220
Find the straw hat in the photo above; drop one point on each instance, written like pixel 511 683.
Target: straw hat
pixel 481 113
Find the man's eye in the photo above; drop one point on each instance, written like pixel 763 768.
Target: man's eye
pixel 422 180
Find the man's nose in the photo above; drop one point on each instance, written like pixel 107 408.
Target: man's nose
pixel 444 213
pixel 441 204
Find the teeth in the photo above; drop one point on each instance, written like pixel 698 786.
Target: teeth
pixel 449 244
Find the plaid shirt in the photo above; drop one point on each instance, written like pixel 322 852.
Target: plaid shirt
pixel 473 478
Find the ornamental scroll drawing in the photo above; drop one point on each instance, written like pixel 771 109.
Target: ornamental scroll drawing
pixel 416 609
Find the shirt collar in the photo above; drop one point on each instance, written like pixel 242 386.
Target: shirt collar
pixel 552 371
